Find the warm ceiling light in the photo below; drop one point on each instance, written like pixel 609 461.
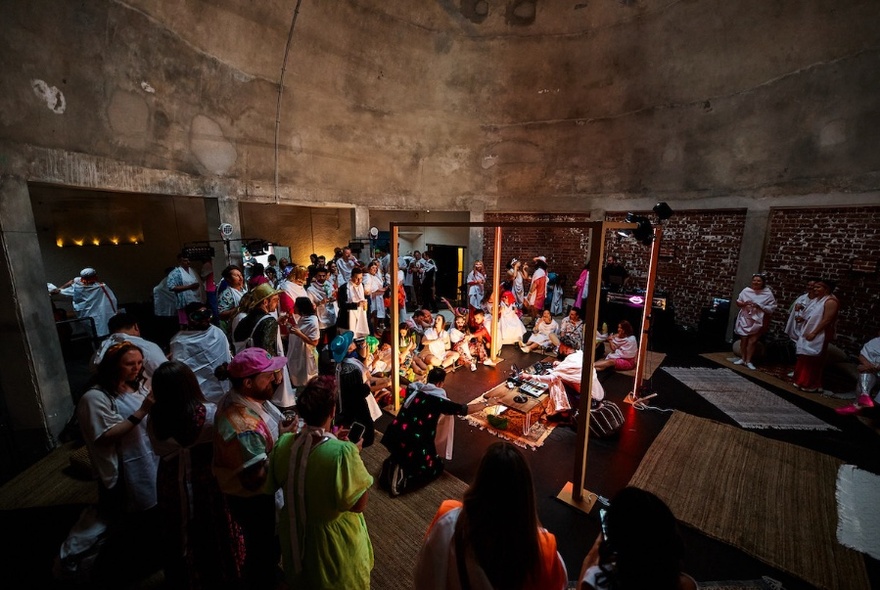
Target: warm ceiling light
pixel 115 241
pixel 59 242
pixel 96 241
pixel 78 242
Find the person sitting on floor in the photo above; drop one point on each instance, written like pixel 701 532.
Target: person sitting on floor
pixel 869 370
pixel 624 350
pixel 568 372
pixel 541 337
pixel 437 346
pixel 479 341
pixel 636 519
pixel 492 537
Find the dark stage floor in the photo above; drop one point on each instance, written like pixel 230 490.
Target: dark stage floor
pixel 612 462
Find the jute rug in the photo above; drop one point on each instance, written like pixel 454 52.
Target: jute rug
pixel 773 500
pixel 771 378
pixel 398 525
pixel 748 403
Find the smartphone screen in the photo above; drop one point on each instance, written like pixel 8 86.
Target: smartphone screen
pixel 355 432
pixel 602 513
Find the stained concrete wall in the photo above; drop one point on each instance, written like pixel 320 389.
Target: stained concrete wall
pixel 387 103
pixel 467 106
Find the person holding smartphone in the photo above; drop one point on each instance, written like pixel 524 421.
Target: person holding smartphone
pixel 636 519
pixel 324 538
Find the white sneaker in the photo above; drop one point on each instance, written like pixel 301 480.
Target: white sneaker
pixel 751 366
pixel 489 363
pixel 524 348
pixel 738 362
pixel 473 366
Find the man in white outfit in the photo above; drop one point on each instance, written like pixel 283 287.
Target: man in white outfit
pixel 184 282
pixel 91 299
pixel 124 328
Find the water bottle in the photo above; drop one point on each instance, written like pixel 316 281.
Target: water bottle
pixel 604 327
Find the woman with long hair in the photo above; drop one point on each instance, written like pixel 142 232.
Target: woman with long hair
pixel 304 335
pixel 203 546
pixel 232 292
pixel 637 519
pixel 492 538
pixel 110 416
pixel 624 350
pixel 437 347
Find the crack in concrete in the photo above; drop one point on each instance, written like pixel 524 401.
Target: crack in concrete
pixel 701 102
pixel 247 75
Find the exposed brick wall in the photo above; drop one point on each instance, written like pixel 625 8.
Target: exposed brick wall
pixel 564 248
pixel 699 251
pixel 842 245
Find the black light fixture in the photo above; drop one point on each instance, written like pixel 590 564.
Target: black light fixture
pixel 644 233
pixel 257 247
pixel 663 211
pixel 198 251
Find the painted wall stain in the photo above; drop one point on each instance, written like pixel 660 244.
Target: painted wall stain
pixel 53 97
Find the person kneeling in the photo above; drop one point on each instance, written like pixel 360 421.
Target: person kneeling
pixel 410 438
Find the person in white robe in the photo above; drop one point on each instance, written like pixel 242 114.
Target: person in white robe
pixel 323 296
pixel 184 282
pixel 303 338
pixel 91 299
pixel 476 281
pixel 374 285
pixel 203 347
pixel 566 372
pixel 756 305
pixel 352 303
pixel 124 328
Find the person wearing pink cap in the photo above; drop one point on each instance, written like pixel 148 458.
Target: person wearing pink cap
pixel 246 428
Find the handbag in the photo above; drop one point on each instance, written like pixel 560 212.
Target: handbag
pixel 606 419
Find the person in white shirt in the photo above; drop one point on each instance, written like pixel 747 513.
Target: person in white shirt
pixel 91 299
pixel 345 264
pixel 543 330
pixel 323 297
pixel 624 350
pixel 203 347
pixel 184 282
pixel 374 285
pixel 124 328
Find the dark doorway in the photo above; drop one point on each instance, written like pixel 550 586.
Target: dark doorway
pixel 449 261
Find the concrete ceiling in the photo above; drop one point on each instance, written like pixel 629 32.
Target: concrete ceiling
pixel 511 105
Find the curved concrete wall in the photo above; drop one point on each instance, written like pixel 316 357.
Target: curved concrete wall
pixel 390 103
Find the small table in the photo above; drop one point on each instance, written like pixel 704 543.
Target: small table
pixel 503 395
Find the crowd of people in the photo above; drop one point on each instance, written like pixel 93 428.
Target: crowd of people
pixel 237 447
